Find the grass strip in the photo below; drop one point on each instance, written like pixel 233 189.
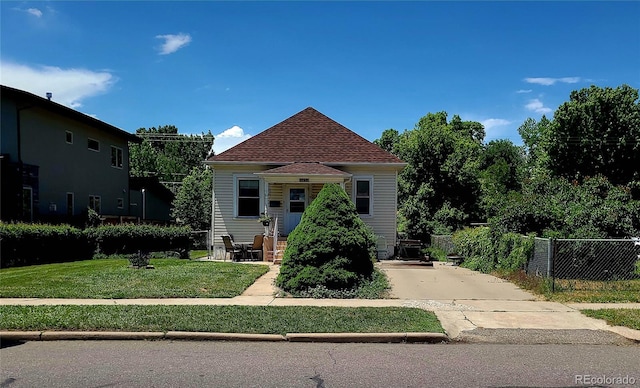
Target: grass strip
pixel 114 279
pixel 223 319
pixel 617 317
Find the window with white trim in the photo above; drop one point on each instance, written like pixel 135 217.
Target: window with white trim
pixel 363 195
pixel 93 145
pixel 116 157
pixel 247 197
pixel 94 203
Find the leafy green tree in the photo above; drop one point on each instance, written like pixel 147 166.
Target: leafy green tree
pixel 167 154
pixel 192 204
pixel 330 247
pixel 502 167
pixel 597 132
pixel 388 140
pixel 534 137
pixel 438 191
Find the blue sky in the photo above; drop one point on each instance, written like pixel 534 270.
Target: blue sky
pixel 237 68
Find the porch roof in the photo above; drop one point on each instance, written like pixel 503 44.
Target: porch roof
pixel 304 172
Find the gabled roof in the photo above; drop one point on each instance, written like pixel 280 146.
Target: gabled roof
pixel 29 99
pixel 305 169
pixel 307 136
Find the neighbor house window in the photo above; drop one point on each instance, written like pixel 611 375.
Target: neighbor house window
pixel 120 203
pixel 116 157
pixel 69 204
pixel 69 137
pixel 93 145
pixel 94 203
pixel 363 195
pixel 247 197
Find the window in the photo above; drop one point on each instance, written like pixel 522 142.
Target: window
pixel 247 197
pixel 69 137
pixel 362 188
pixel 93 145
pixel 116 157
pixel 120 203
pixel 94 203
pixel 69 204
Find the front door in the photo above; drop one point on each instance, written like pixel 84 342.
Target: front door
pixel 296 203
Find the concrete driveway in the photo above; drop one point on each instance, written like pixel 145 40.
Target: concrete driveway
pixel 443 281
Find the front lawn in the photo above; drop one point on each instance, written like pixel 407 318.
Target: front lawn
pixel 113 279
pixel 617 317
pixel 222 319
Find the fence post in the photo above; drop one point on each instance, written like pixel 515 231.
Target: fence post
pixel 552 263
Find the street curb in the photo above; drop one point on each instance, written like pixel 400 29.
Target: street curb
pixel 204 336
pixel 367 337
pixel 98 335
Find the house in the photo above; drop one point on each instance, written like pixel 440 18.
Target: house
pixel 282 169
pixel 56 161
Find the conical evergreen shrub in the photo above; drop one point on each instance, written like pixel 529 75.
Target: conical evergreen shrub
pixel 331 246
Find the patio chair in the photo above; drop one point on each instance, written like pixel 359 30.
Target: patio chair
pixel 256 248
pixel 229 247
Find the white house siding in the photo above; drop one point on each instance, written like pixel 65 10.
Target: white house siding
pixel 224 222
pixel 383 221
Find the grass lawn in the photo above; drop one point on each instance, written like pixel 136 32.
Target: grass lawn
pixel 617 317
pixel 197 254
pixel 578 291
pixel 112 278
pixel 223 319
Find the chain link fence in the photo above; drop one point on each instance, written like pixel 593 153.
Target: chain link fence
pixel 579 264
pixel 443 242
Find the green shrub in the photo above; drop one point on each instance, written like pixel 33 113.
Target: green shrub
pixel 485 251
pixel 29 244
pixel 330 247
pixel 127 239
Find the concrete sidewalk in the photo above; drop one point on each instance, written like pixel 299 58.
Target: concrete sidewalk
pixel 511 311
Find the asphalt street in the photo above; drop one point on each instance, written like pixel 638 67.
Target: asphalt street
pixel 234 364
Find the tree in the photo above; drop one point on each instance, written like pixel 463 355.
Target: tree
pixel 192 204
pixel 167 154
pixel 501 171
pixel 597 132
pixel 438 191
pixel 388 140
pixel 534 135
pixel 330 247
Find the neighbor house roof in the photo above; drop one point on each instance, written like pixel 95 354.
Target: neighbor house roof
pixel 31 100
pixel 307 136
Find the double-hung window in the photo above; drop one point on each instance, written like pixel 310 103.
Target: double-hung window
pixel 116 157
pixel 363 195
pixel 247 196
pixel 94 203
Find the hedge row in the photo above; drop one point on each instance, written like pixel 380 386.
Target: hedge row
pixel 485 250
pixel 29 244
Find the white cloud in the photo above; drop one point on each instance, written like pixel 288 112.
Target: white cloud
pixel 229 138
pixel 547 81
pixel 69 86
pixel 35 12
pixel 521 91
pixel 537 106
pixel 173 43
pixel 492 123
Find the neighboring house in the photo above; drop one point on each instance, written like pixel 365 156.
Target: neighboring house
pixel 150 199
pixel 282 169
pixel 56 161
